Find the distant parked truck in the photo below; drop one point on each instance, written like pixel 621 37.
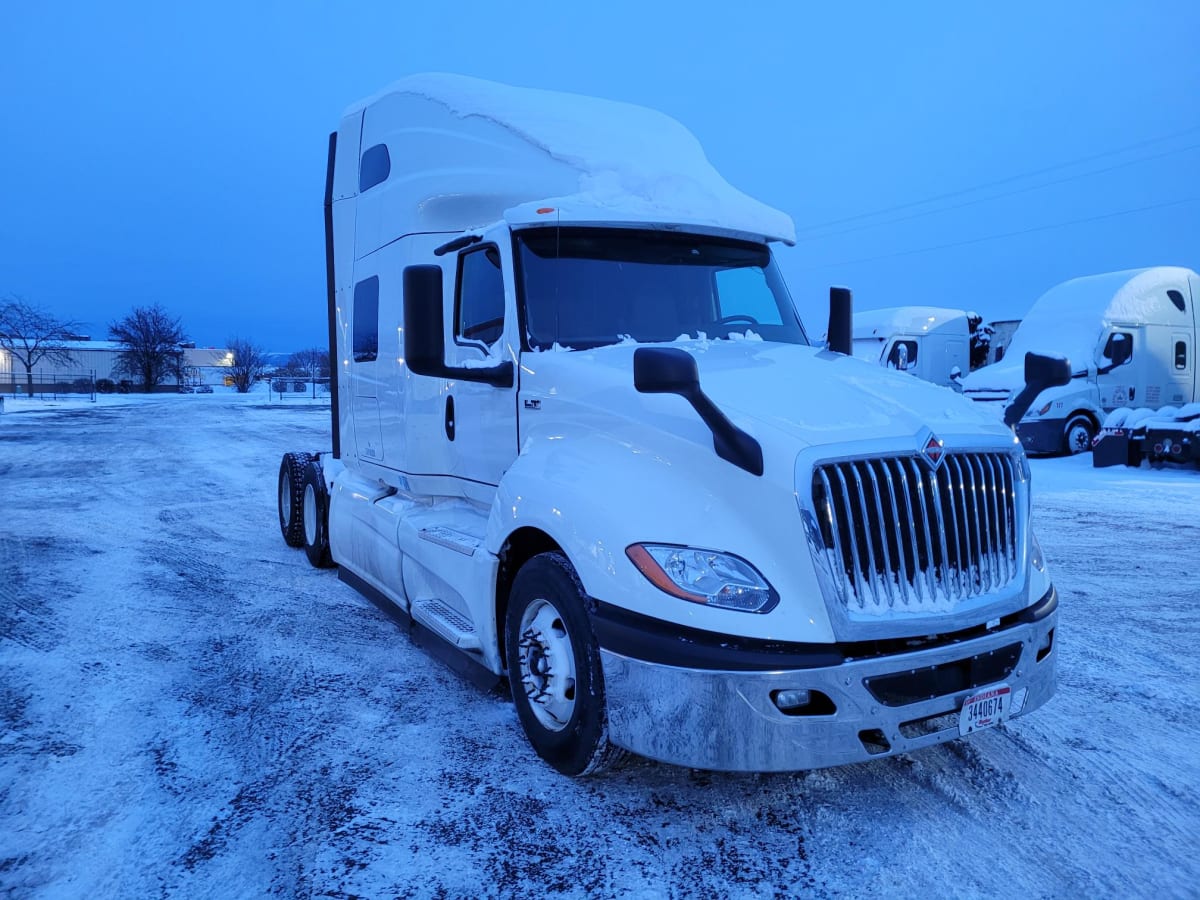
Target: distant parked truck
pixel 1000 335
pixel 935 344
pixel 1131 336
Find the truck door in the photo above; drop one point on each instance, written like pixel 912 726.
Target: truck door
pixel 1192 333
pixel 1123 385
pixel 481 420
pixel 958 354
pixel 1182 369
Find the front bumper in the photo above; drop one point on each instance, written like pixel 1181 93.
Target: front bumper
pixel 1042 435
pixel 727 720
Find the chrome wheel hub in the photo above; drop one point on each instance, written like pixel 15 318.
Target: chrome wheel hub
pixel 546 665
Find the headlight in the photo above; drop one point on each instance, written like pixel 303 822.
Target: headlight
pixel 704 576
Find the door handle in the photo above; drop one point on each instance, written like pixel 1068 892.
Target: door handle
pixel 450 417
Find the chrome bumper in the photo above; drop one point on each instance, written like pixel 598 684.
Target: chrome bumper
pixel 726 720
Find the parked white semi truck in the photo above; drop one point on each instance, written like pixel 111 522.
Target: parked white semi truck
pixel 929 342
pixel 582 441
pixel 1132 336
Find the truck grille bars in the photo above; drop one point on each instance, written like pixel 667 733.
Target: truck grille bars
pixel 900 533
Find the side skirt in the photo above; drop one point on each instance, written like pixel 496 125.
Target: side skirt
pixel 434 645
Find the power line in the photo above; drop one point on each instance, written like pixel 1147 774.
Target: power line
pixel 1023 190
pixel 1001 181
pixel 996 237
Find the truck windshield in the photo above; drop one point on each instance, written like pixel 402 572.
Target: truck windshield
pixel 587 287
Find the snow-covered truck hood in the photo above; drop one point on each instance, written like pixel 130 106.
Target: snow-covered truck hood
pixel 788 397
pixel 998 377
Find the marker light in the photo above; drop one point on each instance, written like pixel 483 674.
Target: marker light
pixel 704 576
pixel 545 209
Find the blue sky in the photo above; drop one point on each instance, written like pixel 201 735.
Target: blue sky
pixel 175 153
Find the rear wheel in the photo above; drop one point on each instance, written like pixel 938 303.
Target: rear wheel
pixel 316 517
pixel 1077 436
pixel 291 497
pixel 554 668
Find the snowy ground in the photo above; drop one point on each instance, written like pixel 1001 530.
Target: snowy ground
pixel 188 709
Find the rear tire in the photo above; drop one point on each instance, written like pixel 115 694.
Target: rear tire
pixel 316 517
pixel 1078 435
pixel 554 668
pixel 291 497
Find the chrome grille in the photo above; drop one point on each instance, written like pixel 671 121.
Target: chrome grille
pixel 899 533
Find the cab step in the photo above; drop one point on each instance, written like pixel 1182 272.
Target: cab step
pixel 451 538
pixel 446 622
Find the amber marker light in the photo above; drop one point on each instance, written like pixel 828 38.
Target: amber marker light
pixel 545 209
pixel 656 576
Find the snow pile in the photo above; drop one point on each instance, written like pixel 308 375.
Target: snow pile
pixel 631 162
pixel 1185 418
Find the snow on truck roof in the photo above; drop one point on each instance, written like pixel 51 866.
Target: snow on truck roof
pixel 1068 318
pixel 466 153
pixel 883 323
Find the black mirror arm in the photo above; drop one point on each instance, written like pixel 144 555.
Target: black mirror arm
pixel 1021 403
pixel 730 442
pixel 669 370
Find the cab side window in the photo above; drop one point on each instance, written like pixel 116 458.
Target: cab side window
pixel 1116 337
pixel 903 355
pixel 479 302
pixel 744 297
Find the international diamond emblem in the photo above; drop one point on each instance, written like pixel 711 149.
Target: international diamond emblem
pixel 933 451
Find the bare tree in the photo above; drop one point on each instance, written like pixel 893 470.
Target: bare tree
pixel 151 338
pixel 33 336
pixel 249 362
pixel 313 362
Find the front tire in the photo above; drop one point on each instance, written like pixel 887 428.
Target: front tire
pixel 315 502
pixel 554 668
pixel 290 496
pixel 1078 435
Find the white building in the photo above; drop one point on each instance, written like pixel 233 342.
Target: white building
pixel 95 360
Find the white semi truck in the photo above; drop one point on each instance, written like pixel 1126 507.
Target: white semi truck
pixel 1132 336
pixel 930 342
pixel 582 441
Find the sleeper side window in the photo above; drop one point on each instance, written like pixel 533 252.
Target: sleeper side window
pixel 1176 297
pixel 374 167
pixel 366 319
pixel 479 305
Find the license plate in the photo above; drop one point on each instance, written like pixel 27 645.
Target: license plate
pixel 985 709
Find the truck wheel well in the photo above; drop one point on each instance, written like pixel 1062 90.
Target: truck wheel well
pixel 1087 415
pixel 520 547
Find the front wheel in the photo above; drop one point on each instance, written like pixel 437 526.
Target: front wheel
pixel 554 668
pixel 1077 436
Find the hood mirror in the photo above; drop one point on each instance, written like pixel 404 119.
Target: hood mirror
pixel 669 370
pixel 1041 372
